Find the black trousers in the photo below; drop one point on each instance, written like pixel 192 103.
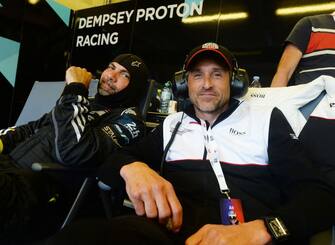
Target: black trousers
pixel 30 207
pixel 120 230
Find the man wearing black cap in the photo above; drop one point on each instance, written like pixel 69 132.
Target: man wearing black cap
pixel 78 132
pixel 230 172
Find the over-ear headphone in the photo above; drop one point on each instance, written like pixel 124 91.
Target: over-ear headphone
pixel 239 81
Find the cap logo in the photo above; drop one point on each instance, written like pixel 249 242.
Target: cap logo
pixel 210 46
pixel 136 63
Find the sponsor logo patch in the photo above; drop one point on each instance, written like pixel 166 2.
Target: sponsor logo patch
pixel 255 95
pixel 236 132
pixel 181 130
pixel 132 127
pixel 107 130
pixel 210 46
pixel 136 63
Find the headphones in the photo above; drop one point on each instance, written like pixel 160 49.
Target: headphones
pixel 239 81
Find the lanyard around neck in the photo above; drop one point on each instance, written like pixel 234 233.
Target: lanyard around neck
pixel 214 157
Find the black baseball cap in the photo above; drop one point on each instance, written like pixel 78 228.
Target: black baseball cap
pixel 212 49
pixel 136 67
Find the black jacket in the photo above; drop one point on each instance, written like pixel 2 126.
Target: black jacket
pixel 76 132
pixel 281 182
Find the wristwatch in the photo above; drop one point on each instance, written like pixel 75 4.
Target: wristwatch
pixel 276 228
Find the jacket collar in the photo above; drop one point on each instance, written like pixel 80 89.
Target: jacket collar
pixel 233 104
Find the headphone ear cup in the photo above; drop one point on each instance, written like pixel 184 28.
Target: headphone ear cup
pixel 239 83
pixel 180 89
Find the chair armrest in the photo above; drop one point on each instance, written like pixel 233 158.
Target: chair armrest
pixel 55 167
pixel 106 188
pixel 103 186
pixel 47 166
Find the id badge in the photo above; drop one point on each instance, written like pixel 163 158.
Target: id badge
pixel 231 211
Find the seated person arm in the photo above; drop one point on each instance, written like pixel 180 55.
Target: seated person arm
pixel 83 138
pixel 249 233
pixel 307 197
pixel 12 136
pixel 151 194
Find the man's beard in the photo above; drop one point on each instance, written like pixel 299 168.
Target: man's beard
pixel 215 105
pixel 112 90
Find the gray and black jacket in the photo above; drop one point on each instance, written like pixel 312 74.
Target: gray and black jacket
pixel 77 132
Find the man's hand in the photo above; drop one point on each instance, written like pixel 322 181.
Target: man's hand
pixel 78 75
pixel 250 233
pixel 152 195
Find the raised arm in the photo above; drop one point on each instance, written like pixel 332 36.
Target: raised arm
pixel 296 44
pixel 70 120
pixel 287 65
pixel 12 136
pixel 83 136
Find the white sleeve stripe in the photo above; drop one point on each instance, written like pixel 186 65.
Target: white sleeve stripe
pixel 80 123
pixel 5 131
pixel 320 52
pixel 76 130
pixel 78 117
pixel 317 69
pixel 83 109
pixel 314 29
pixel 75 127
pixel 82 100
pixel 81 119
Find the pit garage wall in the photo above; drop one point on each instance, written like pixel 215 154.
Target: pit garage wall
pixel 160 32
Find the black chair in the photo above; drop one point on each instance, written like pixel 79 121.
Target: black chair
pixel 88 174
pixel 145 102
